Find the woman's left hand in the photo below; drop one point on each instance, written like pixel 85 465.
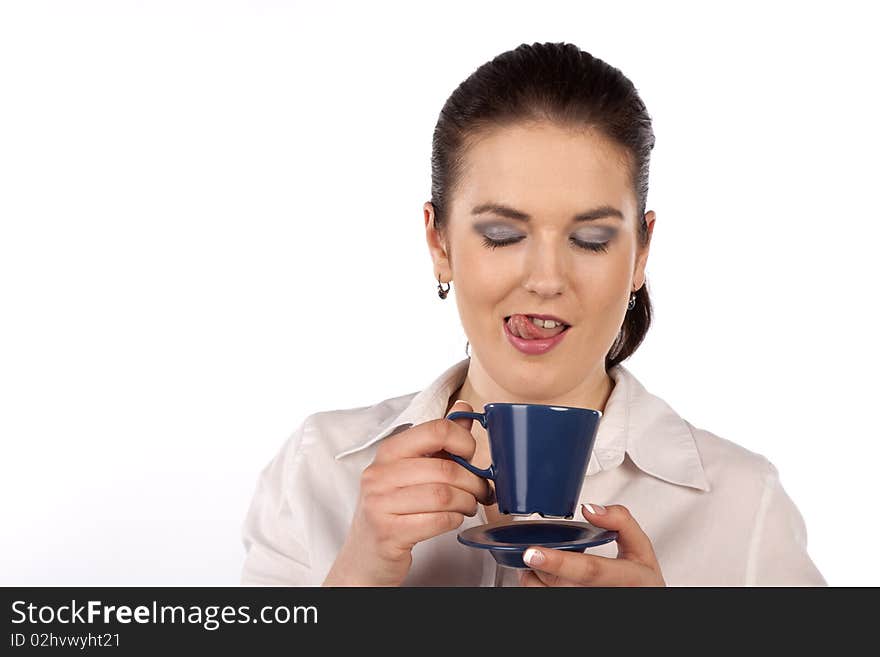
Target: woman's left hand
pixel 635 564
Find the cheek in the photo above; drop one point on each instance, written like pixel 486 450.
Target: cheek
pixel 480 290
pixel 602 285
pixel 481 281
pixel 606 299
pixel 603 292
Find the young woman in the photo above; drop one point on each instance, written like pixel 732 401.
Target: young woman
pixel 539 183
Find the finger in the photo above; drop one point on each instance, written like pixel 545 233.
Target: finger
pixel 528 578
pixel 430 437
pixel 467 424
pixel 426 470
pixel 413 528
pixel 564 568
pixel 487 487
pixel 426 498
pixel 632 542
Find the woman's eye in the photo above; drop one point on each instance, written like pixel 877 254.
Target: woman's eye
pixel 493 243
pixel 587 246
pixel 591 246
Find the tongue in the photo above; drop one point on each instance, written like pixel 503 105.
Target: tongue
pixel 522 326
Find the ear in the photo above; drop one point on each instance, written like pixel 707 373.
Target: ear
pixel 642 254
pixel 436 246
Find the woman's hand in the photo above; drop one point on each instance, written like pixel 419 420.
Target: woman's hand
pixel 409 493
pixel 635 564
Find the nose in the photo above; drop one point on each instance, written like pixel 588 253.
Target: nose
pixel 546 270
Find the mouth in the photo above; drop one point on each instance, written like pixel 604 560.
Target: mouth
pixel 535 327
pixel 531 339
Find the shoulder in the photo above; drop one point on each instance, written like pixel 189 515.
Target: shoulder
pixel 333 431
pixel 729 464
pixel 663 441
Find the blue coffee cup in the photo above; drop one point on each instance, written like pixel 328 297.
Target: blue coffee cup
pixel 539 455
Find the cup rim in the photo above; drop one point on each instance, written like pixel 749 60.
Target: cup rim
pixel 553 406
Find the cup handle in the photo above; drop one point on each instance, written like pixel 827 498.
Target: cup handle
pixel 488 473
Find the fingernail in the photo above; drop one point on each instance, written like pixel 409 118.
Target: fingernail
pixel 533 557
pixel 595 509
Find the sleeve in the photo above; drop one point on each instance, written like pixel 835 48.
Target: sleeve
pixel 778 551
pixel 273 533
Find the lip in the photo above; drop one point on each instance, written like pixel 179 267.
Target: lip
pixel 533 347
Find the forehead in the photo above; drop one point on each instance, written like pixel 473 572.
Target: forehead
pixel 546 169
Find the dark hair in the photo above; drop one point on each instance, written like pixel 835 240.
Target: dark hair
pixel 561 84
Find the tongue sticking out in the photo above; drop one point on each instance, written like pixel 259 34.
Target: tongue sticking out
pixel 524 327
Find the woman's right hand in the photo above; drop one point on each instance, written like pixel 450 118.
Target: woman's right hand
pixel 409 493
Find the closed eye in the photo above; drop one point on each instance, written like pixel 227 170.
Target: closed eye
pixel 587 246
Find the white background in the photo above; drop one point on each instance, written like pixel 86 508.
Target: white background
pixel 212 227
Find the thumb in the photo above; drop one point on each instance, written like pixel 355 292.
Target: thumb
pixel 632 542
pixel 464 422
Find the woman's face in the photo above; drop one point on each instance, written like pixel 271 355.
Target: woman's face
pixel 581 271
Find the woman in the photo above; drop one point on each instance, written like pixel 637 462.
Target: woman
pixel 539 185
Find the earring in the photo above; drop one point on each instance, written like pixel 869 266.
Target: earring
pixel 440 291
pixel 632 301
pixel 467 346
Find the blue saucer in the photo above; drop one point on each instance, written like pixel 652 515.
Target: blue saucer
pixel 508 540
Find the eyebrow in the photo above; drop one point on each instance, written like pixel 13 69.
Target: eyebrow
pixel 511 213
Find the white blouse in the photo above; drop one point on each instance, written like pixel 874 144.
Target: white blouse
pixel 716 513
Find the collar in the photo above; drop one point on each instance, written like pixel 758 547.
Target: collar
pixel 635 423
